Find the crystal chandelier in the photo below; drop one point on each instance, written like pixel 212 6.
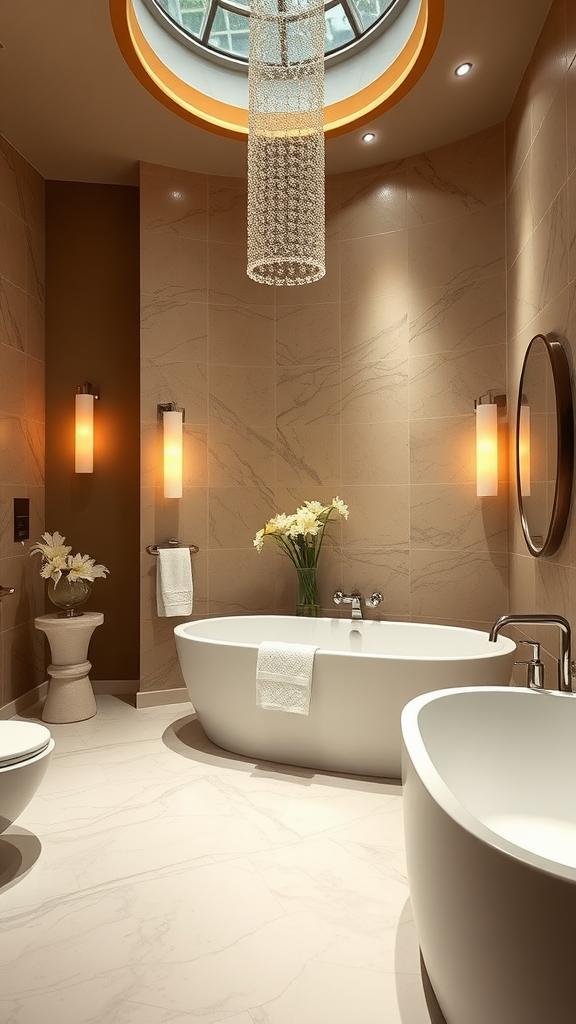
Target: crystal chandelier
pixel 286 235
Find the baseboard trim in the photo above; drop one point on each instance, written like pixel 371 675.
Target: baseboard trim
pixel 157 698
pixel 16 707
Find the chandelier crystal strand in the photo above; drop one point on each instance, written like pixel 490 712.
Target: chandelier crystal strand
pixel 286 230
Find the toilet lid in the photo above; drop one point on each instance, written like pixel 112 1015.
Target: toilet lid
pixel 20 740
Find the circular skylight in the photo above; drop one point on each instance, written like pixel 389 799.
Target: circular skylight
pixel 220 28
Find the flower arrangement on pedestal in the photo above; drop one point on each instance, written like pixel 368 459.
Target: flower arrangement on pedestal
pixel 300 535
pixel 70 577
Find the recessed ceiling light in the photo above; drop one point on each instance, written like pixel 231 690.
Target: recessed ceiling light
pixel 463 69
pixel 369 137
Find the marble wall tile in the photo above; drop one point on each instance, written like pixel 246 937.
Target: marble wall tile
pixel 379 517
pixel 228 282
pixel 548 156
pixel 170 377
pixel 23 661
pixel 173 326
pixel 376 453
pixel 34 401
pixel 159 665
pixel 173 266
pixel 373 265
pixel 374 327
pixel 540 272
pixel 35 265
pixel 236 514
pixel 452 518
pixel 308 456
pixel 35 328
pixel 13 252
pixel 461 318
pixel 309 396
pixel 447 383
pixel 12 381
pixel 457 251
pixel 241 395
pixel 520 218
pixel 173 201
pixel 372 205
pixel 376 570
pixel 443 450
pixel 571 118
pixel 456 179
pixel 241 336
pixel 518 130
pixel 227 209
pixel 308 334
pixel 571 225
pixel 570 34
pixel 458 585
pixel 242 582
pixel 242 456
pixel 375 392
pixel 522 583
pixel 12 315
pixel 548 64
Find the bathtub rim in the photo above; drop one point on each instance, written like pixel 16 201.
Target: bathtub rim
pixel 503 645
pixel 414 747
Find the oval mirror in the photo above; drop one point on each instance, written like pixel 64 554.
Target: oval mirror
pixel 544 444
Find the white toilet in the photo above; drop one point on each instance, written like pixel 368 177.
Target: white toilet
pixel 25 750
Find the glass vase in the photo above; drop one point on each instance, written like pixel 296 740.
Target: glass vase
pixel 67 594
pixel 308 602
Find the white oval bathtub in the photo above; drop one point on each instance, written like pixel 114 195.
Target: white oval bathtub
pixel 490 823
pixel 364 674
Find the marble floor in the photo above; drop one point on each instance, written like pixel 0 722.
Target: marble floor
pixel 156 879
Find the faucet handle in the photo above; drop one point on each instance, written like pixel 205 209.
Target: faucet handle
pixel 375 599
pixel 338 597
pixel 534 667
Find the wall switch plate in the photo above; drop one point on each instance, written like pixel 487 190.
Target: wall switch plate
pixel 21 519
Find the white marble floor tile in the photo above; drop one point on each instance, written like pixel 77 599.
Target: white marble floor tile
pixel 157 881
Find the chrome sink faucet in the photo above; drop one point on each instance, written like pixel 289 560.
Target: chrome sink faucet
pixel 355 599
pixel 565 660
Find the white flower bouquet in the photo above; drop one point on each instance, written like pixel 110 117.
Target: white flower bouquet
pixel 301 534
pixel 57 561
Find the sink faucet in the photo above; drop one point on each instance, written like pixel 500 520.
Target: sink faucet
pixel 355 599
pixel 565 660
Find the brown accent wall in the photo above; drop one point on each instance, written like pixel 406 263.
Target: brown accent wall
pixel 361 385
pixel 92 333
pixel 21 417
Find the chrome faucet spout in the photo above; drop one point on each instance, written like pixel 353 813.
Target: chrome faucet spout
pixel 565 660
pixel 354 599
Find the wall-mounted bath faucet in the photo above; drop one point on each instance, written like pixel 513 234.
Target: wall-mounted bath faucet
pixel 565 660
pixel 355 599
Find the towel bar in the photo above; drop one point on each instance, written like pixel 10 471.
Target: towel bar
pixel 152 549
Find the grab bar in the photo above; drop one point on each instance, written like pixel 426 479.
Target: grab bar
pixel 153 549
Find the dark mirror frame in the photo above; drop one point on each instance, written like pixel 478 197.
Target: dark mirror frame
pixel 565 447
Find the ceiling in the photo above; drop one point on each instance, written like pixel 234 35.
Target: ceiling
pixel 71 106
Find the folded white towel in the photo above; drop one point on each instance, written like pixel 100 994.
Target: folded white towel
pixel 174 592
pixel 284 676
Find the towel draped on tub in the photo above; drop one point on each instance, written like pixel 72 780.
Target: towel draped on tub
pixel 284 676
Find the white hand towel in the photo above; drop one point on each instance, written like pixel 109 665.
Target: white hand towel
pixel 284 676
pixel 174 592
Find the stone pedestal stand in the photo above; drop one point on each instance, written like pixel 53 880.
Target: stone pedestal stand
pixel 70 694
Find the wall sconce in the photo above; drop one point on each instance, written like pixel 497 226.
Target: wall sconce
pixel 524 448
pixel 487 443
pixel 172 420
pixel 84 429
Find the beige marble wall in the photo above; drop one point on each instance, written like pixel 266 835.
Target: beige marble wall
pixel 541 267
pixel 21 416
pixel 360 385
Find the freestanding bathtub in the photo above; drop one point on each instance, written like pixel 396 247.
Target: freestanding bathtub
pixel 364 674
pixel 490 822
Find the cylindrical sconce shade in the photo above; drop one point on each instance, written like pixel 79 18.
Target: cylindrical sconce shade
pixel 486 449
pixel 172 425
pixel 84 433
pixel 524 450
